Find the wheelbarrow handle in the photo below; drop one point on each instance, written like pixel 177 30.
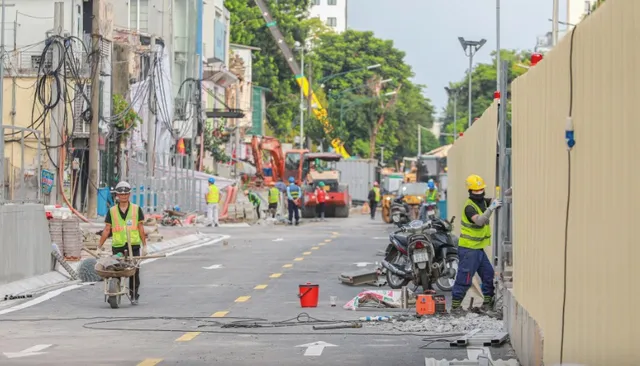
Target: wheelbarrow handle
pixel 91 253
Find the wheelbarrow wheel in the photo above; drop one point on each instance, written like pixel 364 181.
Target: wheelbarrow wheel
pixel 114 287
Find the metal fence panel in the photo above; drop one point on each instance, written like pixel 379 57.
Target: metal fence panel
pixel 21 168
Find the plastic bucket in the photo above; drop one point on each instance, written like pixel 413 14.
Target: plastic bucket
pixel 309 295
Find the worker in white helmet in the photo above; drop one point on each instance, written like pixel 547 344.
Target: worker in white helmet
pixel 122 218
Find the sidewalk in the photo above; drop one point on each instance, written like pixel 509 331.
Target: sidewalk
pixel 174 240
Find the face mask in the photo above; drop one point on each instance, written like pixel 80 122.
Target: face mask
pixel 476 196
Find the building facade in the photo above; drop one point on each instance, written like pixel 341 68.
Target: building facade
pixel 332 12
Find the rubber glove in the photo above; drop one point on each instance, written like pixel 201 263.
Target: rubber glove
pixel 144 251
pixel 495 204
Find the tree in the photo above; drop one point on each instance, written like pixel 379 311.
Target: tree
pixel 484 85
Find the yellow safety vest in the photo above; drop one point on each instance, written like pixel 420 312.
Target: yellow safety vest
pixel 432 196
pixel 274 195
pixel 376 190
pixel 213 196
pixel 473 236
pixel 119 227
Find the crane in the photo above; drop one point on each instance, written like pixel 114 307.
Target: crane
pixel 318 110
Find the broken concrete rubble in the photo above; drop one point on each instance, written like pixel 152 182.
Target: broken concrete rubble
pixel 442 324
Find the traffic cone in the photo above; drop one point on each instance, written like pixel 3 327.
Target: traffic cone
pixel 365 209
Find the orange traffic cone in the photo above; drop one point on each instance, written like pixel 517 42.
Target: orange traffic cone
pixel 365 209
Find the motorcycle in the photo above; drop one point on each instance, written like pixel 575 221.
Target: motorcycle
pixel 428 211
pixel 422 252
pixel 400 211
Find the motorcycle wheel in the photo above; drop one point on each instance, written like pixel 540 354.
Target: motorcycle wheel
pixel 394 281
pixel 446 283
pixel 424 279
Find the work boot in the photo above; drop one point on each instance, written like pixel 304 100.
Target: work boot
pixel 297 222
pixel 457 311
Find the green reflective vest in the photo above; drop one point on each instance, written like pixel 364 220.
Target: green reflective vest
pixel 253 198
pixel 376 190
pixel 432 196
pixel 119 227
pixel 274 195
pixel 473 236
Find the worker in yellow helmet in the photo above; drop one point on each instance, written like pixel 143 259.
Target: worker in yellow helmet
pixel 475 235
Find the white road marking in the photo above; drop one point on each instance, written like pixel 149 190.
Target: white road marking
pixel 362 264
pixel 279 239
pixel 54 293
pixel 316 348
pixel 215 266
pixel 31 351
pixel 380 238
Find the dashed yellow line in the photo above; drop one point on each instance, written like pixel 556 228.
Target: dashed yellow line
pixel 327 240
pixel 219 314
pixel 322 243
pixel 315 248
pixel 260 287
pixel 335 233
pixel 150 362
pixel 306 253
pixel 243 299
pixel 187 337
pixel 288 265
pixel 275 275
pixel 298 259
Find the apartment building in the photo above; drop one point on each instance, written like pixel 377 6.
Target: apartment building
pixel 332 12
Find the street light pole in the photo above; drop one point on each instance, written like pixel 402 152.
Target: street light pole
pixel 454 93
pixel 302 99
pixel 498 45
pixel 473 47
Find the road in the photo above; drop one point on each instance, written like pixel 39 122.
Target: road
pixel 255 273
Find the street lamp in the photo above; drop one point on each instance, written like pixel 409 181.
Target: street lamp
pixel 473 47
pixel 329 77
pixel 301 48
pixel 454 93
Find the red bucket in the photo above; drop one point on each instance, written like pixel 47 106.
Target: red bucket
pixel 309 295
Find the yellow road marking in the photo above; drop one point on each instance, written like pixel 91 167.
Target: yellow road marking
pixel 260 287
pixel 275 275
pixel 298 259
pixel 327 240
pixel 150 362
pixel 288 265
pixel 306 253
pixel 187 337
pixel 219 314
pixel 335 233
pixel 243 299
pixel 321 243
pixel 315 248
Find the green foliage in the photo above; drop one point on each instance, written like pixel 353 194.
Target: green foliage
pixel 127 119
pixel 214 139
pixel 483 80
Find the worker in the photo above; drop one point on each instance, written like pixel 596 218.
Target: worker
pixel 374 198
pixel 321 198
pixel 125 222
pixel 293 200
pixel 274 198
pixel 475 235
pixel 255 201
pixel 212 197
pixel 431 197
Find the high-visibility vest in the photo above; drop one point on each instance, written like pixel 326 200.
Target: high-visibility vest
pixel 120 226
pixel 213 196
pixel 432 196
pixel 376 190
pixel 253 198
pixel 473 236
pixel 294 190
pixel 274 195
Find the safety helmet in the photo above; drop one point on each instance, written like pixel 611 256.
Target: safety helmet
pixel 176 208
pixel 291 180
pixel 475 183
pixel 123 187
pixel 321 184
pixel 431 184
pixel 375 184
pixel 212 180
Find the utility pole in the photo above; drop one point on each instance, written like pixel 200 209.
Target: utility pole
pixel 302 98
pixel 454 93
pixel 94 151
pixel 310 76
pixel 151 126
pixel 555 18
pixel 57 114
pixel 237 132
pixel 1 104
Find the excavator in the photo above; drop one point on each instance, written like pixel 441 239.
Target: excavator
pixel 308 169
pixel 318 110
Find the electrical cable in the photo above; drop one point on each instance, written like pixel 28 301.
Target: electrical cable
pixel 570 143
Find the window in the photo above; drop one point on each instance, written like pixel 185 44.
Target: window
pixel 142 23
pixel 333 2
pixel 292 161
pixel 316 2
pixel 332 22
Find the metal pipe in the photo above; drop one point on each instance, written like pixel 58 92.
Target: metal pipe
pixel 2 53
pixel 470 110
pixel 498 63
pixel 302 97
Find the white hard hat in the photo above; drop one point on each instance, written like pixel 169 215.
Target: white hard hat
pixel 123 187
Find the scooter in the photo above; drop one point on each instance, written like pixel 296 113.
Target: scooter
pixel 400 211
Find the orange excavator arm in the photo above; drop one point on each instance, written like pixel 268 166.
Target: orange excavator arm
pixel 273 146
pixel 256 151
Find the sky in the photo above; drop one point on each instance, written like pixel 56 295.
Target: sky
pixel 428 31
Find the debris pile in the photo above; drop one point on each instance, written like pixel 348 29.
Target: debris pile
pixel 443 324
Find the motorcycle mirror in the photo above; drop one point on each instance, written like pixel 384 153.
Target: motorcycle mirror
pixel 451 221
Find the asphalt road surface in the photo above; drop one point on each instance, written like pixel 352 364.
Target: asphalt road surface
pixel 250 278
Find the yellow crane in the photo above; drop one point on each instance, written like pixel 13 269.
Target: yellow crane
pixel 318 110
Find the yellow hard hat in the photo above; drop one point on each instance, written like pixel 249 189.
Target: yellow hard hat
pixel 475 182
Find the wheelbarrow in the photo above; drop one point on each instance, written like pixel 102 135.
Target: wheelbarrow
pixel 172 218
